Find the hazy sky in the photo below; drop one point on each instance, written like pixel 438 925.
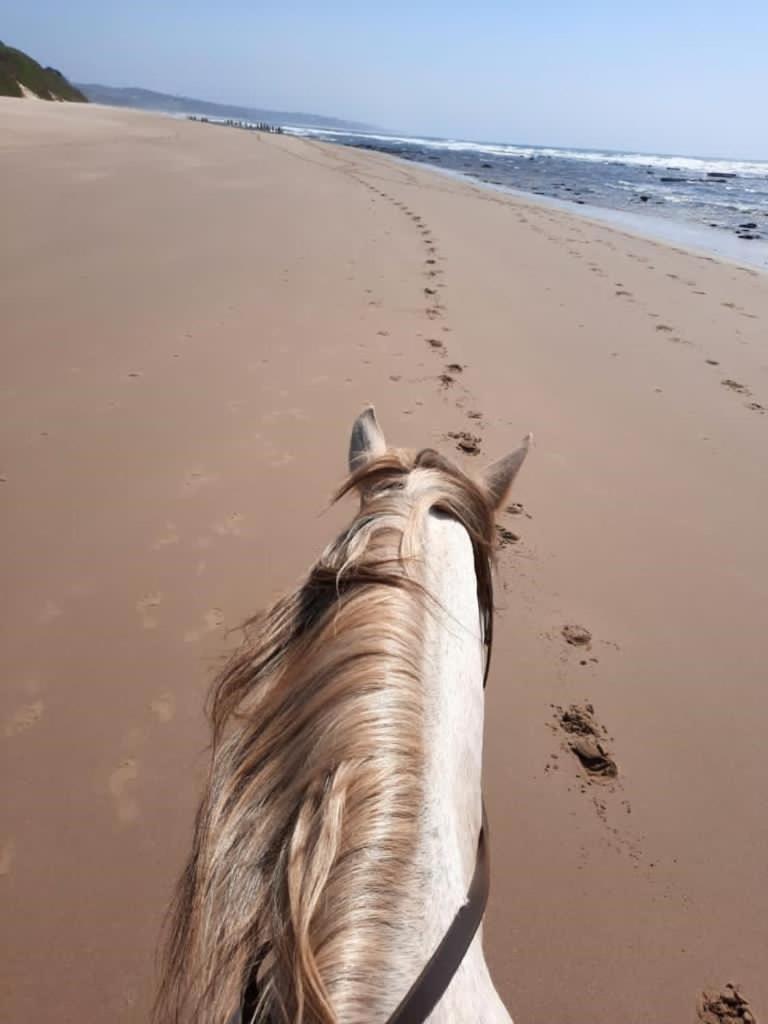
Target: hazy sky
pixel 674 77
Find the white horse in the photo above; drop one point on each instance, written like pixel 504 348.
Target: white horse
pixel 338 872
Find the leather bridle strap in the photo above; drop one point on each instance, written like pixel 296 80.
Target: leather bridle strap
pixel 429 988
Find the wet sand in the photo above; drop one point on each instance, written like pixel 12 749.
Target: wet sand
pixel 192 316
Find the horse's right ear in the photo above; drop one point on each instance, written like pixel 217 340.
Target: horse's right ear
pixel 497 479
pixel 367 440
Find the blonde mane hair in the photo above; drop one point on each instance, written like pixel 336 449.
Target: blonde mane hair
pixel 304 842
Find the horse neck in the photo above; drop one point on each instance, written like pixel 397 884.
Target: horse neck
pixel 453 694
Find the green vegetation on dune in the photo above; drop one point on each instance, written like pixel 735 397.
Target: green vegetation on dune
pixel 17 70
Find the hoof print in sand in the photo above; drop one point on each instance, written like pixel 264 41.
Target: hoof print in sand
pixel 585 740
pixel 733 385
pixel 467 443
pixel 577 636
pixel 594 757
pixel 727 1006
pixel 518 509
pixel 505 536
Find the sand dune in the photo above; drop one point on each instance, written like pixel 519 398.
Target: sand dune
pixel 192 316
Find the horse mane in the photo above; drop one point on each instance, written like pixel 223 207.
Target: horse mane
pixel 305 838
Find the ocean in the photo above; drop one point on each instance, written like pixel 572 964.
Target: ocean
pixel 716 205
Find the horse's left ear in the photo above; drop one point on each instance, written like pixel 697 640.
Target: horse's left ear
pixel 367 440
pixel 497 479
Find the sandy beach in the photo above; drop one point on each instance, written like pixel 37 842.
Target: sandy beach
pixel 192 317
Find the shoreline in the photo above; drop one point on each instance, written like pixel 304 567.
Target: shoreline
pixel 698 240
pixel 192 321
